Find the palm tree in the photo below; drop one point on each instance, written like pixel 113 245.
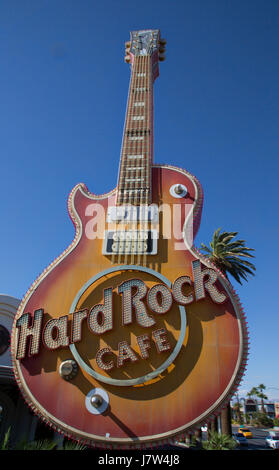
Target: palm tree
pixel 229 256
pixel 42 444
pixel 236 408
pixel 253 392
pixel 218 441
pixel 261 395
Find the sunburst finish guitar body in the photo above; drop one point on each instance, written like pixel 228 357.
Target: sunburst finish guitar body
pixel 131 337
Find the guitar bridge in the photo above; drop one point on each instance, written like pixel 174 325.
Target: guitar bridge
pixel 130 242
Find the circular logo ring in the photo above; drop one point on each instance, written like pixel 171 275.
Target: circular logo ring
pixel 150 375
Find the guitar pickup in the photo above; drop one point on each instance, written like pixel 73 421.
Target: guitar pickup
pixel 130 242
pixel 126 214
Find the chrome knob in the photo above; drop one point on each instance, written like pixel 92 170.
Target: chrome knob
pixel 178 189
pixel 97 401
pixel 68 369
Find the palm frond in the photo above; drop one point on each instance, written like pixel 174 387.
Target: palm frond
pixel 230 255
pixel 73 446
pixel 205 248
pixel 5 443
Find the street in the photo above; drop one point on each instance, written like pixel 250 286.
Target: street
pixel 256 443
pixel 258 440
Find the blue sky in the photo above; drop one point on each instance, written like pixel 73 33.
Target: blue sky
pixel 63 91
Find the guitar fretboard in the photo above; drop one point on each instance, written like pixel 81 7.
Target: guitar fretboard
pixel 134 181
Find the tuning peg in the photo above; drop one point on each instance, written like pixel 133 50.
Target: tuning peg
pixel 161 57
pixel 163 42
pixel 128 44
pixel 127 58
pixel 162 49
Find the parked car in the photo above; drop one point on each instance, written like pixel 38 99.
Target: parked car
pixel 272 441
pixel 240 439
pixel 246 432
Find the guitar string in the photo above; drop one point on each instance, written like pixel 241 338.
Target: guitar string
pixel 139 185
pixel 137 162
pixel 140 151
pixel 135 146
pixel 137 193
pixel 149 146
pixel 141 70
pixel 143 190
pixel 120 191
pixel 148 159
pixel 145 222
pixel 129 149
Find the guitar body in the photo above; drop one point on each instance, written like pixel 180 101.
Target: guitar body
pixel 200 376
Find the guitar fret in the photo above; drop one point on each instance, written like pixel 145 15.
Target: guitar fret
pixel 137 132
pixel 132 168
pixel 136 190
pixel 134 179
pixel 134 156
pixel 140 89
pixel 124 178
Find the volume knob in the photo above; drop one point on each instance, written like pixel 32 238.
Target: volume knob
pixel 97 401
pixel 178 190
pixel 68 369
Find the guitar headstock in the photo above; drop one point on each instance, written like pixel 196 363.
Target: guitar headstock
pixel 145 43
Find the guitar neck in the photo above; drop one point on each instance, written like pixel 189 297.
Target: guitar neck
pixel 134 181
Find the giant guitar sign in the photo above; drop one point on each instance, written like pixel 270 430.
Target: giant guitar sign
pixel 130 337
